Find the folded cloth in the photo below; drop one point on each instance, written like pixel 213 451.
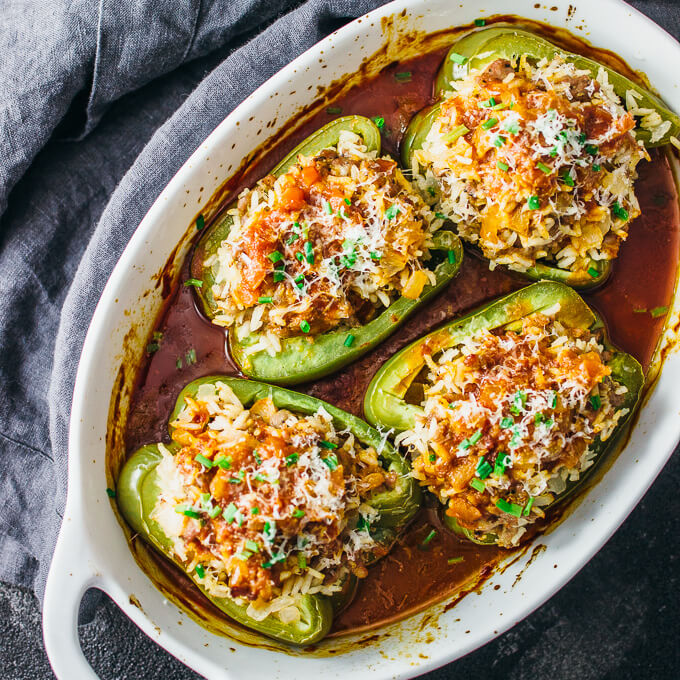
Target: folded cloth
pixel 64 111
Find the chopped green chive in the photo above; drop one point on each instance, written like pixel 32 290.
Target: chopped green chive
pixel 429 537
pixel 500 464
pixel 451 256
pixel 507 422
pixel 528 506
pixel 433 458
pixel 484 468
pixel 499 141
pixel 596 167
pixel 331 462
pixel 224 462
pixel 403 76
pixel 553 399
pixel 553 151
pixel 292 459
pixel 214 511
pixel 379 122
pixel 152 347
pixel 252 546
pixel 200 571
pixel 244 555
pixel 302 561
pixel 191 513
pixel 275 256
pixel 328 208
pixel 309 252
pixel 238 478
pixel 544 168
pixel 477 485
pixel 593 272
pixel 619 211
pixel 539 418
pixel 347 201
pixel 297 513
pixel 458 131
pixel 568 179
pixel 476 437
pixel 304 326
pixel 205 462
pixel 178 363
pixel 533 203
pixel 458 58
pixel 110 492
pixel 280 557
pixel 200 222
pixel 595 402
pixel 502 166
pixel 392 212
pixel 279 276
pixel 658 311
pixel 333 109
pixel 512 127
pixel 591 149
pixel 255 510
pixel 230 512
pixel 327 445
pixel 510 508
pixel 348 340
pixel 197 283
pixel 191 356
pixel 375 256
pixel 478 22
pixel 265 300
pixel 488 124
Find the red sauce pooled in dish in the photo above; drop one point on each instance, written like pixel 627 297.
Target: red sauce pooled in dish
pixel 412 575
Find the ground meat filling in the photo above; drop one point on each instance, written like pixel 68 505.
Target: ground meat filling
pixel 509 418
pixel 328 243
pixel 534 162
pixel 266 505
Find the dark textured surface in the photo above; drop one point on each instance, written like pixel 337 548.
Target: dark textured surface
pixel 617 619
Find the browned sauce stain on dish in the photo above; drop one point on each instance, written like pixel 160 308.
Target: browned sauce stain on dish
pixel 409 579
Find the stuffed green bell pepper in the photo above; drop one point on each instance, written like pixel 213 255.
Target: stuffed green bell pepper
pixel 532 151
pixel 271 501
pixel 322 259
pixel 504 411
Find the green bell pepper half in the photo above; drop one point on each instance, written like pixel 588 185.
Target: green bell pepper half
pixel 137 494
pixel 385 404
pixel 506 42
pixel 597 271
pixel 304 358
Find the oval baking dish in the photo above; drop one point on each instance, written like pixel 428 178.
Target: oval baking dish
pixel 93 550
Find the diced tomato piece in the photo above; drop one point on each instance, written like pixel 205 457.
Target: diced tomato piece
pixel 293 198
pixel 310 175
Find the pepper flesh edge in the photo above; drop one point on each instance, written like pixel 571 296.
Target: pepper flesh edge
pixel 507 42
pixel 137 493
pixel 415 135
pixel 384 403
pixel 303 358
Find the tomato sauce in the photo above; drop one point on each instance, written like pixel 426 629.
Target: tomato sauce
pixel 413 576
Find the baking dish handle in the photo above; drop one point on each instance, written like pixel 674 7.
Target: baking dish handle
pixel 72 572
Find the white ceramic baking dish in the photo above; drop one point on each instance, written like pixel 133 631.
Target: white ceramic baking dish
pixel 92 550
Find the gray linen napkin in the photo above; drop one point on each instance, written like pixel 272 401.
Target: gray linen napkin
pixel 63 66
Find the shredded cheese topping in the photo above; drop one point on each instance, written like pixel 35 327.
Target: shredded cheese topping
pixel 265 505
pixel 534 162
pixel 509 417
pixel 326 244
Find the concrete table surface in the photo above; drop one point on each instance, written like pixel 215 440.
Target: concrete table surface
pixel 619 618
